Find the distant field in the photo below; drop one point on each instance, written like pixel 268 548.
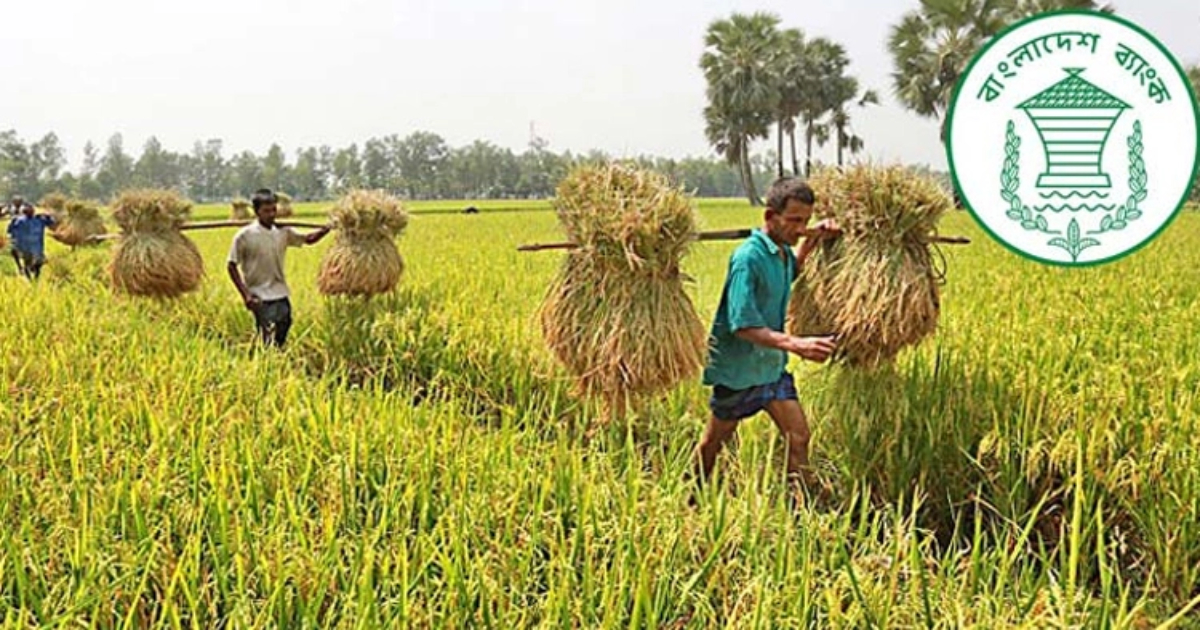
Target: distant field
pixel 410 461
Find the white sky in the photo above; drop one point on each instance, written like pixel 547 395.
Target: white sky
pixel 617 75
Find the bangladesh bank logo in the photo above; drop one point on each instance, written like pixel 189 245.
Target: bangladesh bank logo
pixel 1072 138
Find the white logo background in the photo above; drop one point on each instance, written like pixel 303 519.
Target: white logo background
pixel 976 140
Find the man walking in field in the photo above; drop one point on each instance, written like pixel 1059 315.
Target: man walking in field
pixel 14 208
pixel 27 233
pixel 256 262
pixel 748 359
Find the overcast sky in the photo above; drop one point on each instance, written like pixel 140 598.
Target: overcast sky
pixel 617 75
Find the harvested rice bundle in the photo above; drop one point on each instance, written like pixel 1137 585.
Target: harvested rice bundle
pixel 875 286
pixel 363 259
pixel 153 258
pixel 241 210
pixel 616 315
pixel 56 203
pixel 78 221
pixel 283 205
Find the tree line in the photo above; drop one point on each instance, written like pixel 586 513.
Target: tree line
pixel 763 78
pixel 420 165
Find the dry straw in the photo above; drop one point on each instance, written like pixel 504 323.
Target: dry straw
pixel 75 220
pixel 875 285
pixel 79 221
pixel 55 202
pixel 283 205
pixel 363 259
pixel 617 315
pixel 240 210
pixel 153 258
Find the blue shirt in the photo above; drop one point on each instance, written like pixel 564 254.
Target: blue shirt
pixel 755 295
pixel 28 233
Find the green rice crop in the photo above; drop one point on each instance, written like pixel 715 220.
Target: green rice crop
pixel 413 461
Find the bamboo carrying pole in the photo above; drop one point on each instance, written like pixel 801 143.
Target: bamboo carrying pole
pixel 729 235
pixel 208 225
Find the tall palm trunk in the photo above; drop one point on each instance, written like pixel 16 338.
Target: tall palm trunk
pixel 841 142
pixel 779 150
pixel 808 137
pixel 747 175
pixel 795 161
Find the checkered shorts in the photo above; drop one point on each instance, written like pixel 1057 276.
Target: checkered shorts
pixel 736 404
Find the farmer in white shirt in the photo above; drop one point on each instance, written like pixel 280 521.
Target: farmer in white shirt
pixel 256 267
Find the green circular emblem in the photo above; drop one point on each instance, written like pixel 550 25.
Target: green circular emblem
pixel 1073 138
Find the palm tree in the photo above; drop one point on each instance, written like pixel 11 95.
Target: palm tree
pixel 1026 8
pixel 794 76
pixel 839 120
pixel 931 46
pixel 727 138
pixel 825 65
pixel 739 64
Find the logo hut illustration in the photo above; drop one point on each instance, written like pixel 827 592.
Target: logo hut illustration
pixel 1069 108
pixel 1074 119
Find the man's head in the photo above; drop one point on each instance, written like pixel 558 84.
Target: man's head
pixel 18 202
pixel 264 206
pixel 789 208
pixel 26 209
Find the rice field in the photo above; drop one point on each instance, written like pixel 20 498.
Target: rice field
pixel 419 461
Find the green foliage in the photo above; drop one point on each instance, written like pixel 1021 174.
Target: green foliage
pixel 931 46
pixel 420 166
pixel 411 461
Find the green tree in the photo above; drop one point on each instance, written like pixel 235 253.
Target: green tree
pixel 541 169
pixel 740 68
pixel 346 169
pixel 421 157
pixel 826 87
pixel 16 173
pixel 116 168
pixel 839 120
pixel 156 167
pixel 245 174
pixel 795 79
pixel 46 161
pixel 207 172
pixel 275 173
pixel 378 168
pixel 308 176
pixel 86 185
pixel 480 170
pixel 932 45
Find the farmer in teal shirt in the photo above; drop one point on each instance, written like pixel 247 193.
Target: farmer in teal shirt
pixel 28 234
pixel 747 364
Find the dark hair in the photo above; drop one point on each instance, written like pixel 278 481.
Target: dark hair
pixel 785 189
pixel 262 197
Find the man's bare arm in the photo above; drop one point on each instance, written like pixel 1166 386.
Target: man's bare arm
pixel 811 348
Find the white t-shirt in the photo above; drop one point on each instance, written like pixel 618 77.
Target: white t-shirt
pixel 258 252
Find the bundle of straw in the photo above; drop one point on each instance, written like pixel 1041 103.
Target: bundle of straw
pixel 153 258
pixel 875 286
pixel 363 259
pixel 55 202
pixel 241 210
pixel 77 222
pixel 283 205
pixel 616 315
